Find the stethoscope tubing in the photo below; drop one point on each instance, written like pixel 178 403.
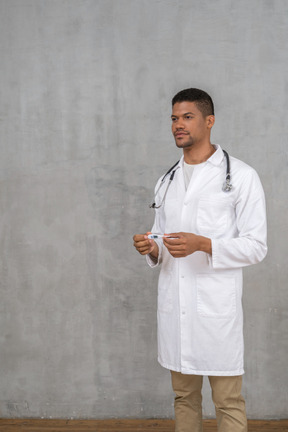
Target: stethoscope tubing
pixel 227 186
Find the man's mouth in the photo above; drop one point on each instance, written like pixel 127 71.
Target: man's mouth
pixel 180 134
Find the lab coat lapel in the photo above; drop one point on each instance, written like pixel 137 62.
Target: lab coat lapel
pixel 181 191
pixel 205 175
pixel 200 178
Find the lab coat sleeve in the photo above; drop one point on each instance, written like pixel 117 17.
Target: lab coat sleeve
pixel 249 247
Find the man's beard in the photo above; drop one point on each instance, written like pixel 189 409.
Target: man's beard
pixel 185 143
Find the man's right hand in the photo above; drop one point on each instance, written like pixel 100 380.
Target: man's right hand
pixel 144 245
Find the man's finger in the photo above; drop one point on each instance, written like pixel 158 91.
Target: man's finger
pixel 172 241
pixel 142 244
pixel 173 235
pixel 138 237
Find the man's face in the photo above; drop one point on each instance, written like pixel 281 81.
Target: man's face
pixel 189 127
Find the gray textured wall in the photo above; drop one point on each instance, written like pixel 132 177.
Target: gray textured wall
pixel 85 132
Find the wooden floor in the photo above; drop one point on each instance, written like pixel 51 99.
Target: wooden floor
pixel 35 425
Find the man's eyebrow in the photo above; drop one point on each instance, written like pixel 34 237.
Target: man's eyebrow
pixel 173 115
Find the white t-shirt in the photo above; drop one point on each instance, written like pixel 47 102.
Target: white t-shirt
pixel 188 172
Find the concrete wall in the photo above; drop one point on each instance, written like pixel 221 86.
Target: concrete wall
pixel 85 132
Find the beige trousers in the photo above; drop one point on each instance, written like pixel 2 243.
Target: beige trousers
pixel 226 395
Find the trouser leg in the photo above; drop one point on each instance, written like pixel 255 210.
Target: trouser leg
pixel 229 403
pixel 188 402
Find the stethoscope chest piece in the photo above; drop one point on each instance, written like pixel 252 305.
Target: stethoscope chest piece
pixel 227 186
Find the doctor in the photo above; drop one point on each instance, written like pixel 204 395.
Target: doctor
pixel 211 234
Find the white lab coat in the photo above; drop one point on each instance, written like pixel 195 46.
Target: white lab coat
pixel 200 319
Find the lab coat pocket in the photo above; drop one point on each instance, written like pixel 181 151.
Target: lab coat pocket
pixel 212 216
pixel 165 293
pixel 216 295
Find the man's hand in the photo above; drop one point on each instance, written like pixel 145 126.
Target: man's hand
pixel 144 245
pixel 184 244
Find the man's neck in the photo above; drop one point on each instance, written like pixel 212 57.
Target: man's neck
pixel 194 156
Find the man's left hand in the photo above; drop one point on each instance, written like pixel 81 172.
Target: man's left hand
pixel 184 244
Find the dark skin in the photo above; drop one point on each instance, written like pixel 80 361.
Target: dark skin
pixel 181 245
pixel 192 132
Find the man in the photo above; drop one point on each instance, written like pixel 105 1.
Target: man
pixel 211 232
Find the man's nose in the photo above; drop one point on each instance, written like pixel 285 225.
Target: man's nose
pixel 180 124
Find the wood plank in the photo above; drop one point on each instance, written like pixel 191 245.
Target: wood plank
pixel 35 425
pixel 123 425
pixel 267 425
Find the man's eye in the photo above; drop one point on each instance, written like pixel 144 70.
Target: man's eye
pixel 188 117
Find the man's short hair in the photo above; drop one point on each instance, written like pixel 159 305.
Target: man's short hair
pixel 202 100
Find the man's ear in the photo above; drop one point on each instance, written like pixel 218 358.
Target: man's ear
pixel 210 121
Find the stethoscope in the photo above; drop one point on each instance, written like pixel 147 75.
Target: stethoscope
pixel 227 186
